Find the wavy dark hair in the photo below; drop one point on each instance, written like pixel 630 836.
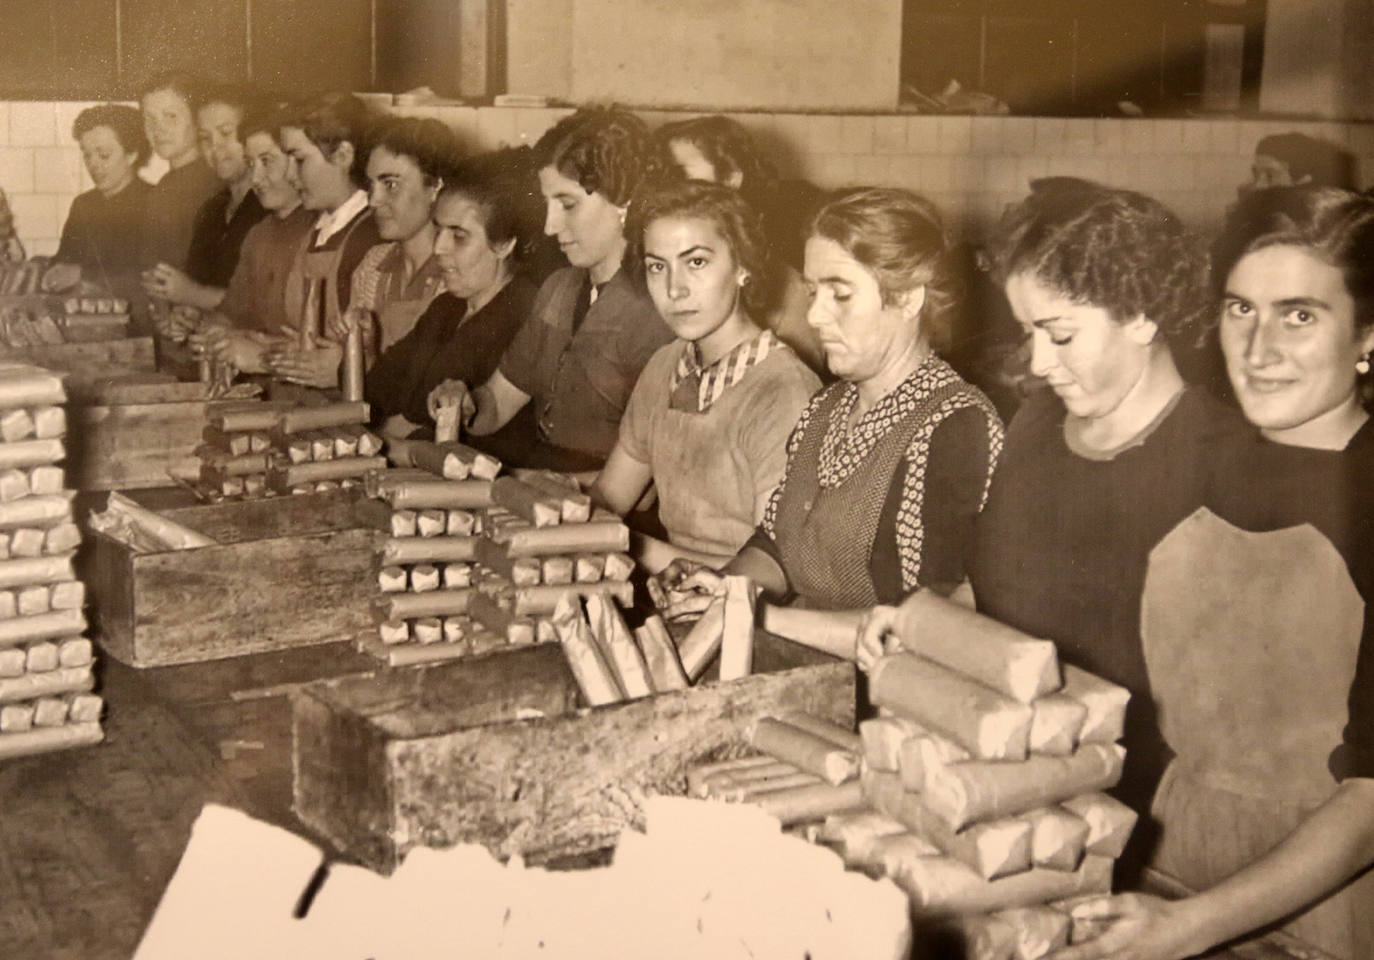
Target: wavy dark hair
pixel 125 122
pixel 331 119
pixel 1115 249
pixel 897 235
pixel 188 86
pixel 726 145
pixel 501 184
pixel 605 150
pixel 1334 225
pixel 732 216
pixel 431 144
pixel 246 99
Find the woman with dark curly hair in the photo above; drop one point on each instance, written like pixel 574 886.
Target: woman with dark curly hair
pixel 593 328
pixel 719 150
pixel 886 469
pixel 708 421
pixel 1100 466
pixel 1257 612
pixel 102 234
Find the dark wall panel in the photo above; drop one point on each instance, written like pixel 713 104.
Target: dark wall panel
pixel 206 37
pixel 28 43
pixel 312 45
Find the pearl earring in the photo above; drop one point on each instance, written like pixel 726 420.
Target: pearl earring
pixel 1362 365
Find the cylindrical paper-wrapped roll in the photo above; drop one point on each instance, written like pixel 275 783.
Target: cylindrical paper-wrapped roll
pixel 49 422
pixel 842 737
pixel 285 477
pixel 321 445
pixel 806 751
pixel 31 453
pixel 703 641
pixel 835 632
pixel 14 484
pixel 719 783
pixel 626 657
pixel 457 575
pixel 351 369
pixel 1055 724
pixel 696 776
pixel 431 523
pixel 429 549
pixel 424 577
pixel 35 511
pixel 594 676
pixel 742 790
pixel 12 662
pixel 46 481
pixel 427 630
pixel 526 501
pixel 9 604
pixel 172 535
pixel 436 603
pixel 23 572
pixel 963 793
pixel 913 751
pixel 1058 838
pixel 329 415
pixel 456 629
pixel 61 538
pixel 15 425
pixel 31 600
pixel 1105 701
pixel 49 712
pixel 44 626
pixel 856 833
pixel 43 740
pixel 604 536
pixel 543 599
pixel 944 884
pixel 461 459
pixel 618 566
pixel 74 652
pixel 442 494
pixel 84 707
pixel 557 570
pixel 243 421
pixel 403 523
pixel 299 449
pixel 40 657
pixel 576 506
pixel 987 724
pixel 27 542
pixel 346 440
pixel 393 631
pixel 1009 661
pixel 882 741
pixel 660 656
pixel 992 849
pixel 1110 822
pixel 393 579
pixel 588 567
pixel 70 595
pixel 460 523
pixel 737 631
pixel 800 804
pixel 28 386
pixel 16 717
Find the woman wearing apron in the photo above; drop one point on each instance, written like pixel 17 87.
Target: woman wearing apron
pixel 886 469
pixel 575 361
pixel 397 279
pixel 708 421
pixel 324 143
pixel 1257 608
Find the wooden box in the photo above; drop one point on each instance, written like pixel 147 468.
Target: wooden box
pixel 494 749
pixel 124 436
pixel 287 572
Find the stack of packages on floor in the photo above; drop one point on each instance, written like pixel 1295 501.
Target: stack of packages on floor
pixel 45 662
pixel 477 561
pixel 262 452
pixel 984 773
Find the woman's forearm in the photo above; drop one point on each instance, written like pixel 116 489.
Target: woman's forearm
pixel 759 567
pixel 1326 850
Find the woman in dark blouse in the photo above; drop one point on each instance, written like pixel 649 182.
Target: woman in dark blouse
pixel 484 225
pixel 103 232
pixel 168 105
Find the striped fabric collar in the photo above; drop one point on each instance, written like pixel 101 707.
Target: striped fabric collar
pixel 695 388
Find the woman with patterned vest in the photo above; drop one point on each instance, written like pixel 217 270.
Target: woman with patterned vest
pixel 888 467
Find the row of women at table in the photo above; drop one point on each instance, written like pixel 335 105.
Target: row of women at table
pixel 1211 557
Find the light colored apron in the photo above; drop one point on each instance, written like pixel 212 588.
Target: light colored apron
pixel 705 490
pixel 1251 641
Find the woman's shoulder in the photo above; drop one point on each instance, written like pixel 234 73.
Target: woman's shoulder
pixel 1209 419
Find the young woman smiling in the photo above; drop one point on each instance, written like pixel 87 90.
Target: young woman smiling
pixel 1257 611
pixel 169 120
pixel 708 421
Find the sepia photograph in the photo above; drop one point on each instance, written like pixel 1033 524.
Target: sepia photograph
pixel 773 479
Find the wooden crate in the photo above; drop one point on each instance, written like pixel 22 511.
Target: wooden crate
pixel 124 436
pixel 287 572
pixel 495 750
pixel 85 362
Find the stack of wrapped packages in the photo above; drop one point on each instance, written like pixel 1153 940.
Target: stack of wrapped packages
pixel 45 662
pixel 477 561
pixel 254 453
pixel 75 320
pixel 985 774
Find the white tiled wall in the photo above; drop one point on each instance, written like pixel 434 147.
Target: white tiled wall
pixel 970 166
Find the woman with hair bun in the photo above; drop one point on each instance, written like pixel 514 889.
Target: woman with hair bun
pixel 577 357
pixel 1257 611
pixel 708 421
pixel 886 469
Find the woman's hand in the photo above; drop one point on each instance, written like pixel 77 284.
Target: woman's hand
pixel 1135 926
pixel 177 323
pixel 364 321
pixel 245 351
pixel 168 283
pixel 314 365
pixel 877 637
pixel 452 393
